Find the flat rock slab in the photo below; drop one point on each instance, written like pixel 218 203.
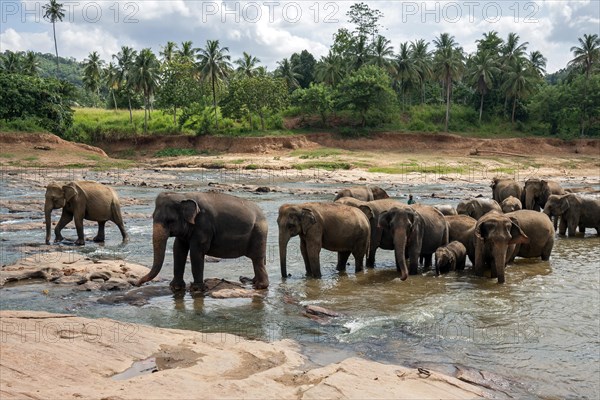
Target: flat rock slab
pixel 69 268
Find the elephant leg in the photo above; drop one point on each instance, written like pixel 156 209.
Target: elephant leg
pixel 65 218
pixel 100 236
pixel 562 226
pixel 427 261
pixel 313 250
pixel 261 279
pixel 547 250
pixel 358 260
pixel 582 229
pixel 413 264
pixel 79 227
pixel 180 253
pixel 342 260
pixel 572 228
pixel 555 221
pixel 305 258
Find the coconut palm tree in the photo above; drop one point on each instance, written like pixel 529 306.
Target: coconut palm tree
pixel 491 43
pixel 288 72
pixel 519 83
pixel 31 64
pixel 187 52
pixel 448 65
pixel 329 69
pixel 247 65
pixel 125 59
pixel 214 65
pixel 92 72
pixel 405 71
pixel 168 52
pixel 587 54
pixel 482 70
pixel 12 62
pixel 538 62
pixel 421 58
pixel 382 53
pixel 54 11
pixel 111 78
pixel 144 78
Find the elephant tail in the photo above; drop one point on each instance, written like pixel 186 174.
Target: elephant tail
pixel 117 217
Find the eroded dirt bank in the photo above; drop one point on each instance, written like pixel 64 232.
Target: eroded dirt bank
pixel 62 356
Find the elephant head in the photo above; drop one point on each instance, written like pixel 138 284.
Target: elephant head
pixel 57 196
pixel 444 259
pixel 378 193
pixel 174 215
pixel 292 221
pixel 495 237
pixel 536 193
pixel 405 226
pixel 510 204
pixel 556 205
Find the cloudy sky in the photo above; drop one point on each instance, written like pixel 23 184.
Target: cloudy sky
pixel 272 30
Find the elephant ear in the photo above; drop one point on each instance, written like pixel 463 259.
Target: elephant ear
pixel 481 231
pixel 385 220
pixel 564 204
pixel 190 210
pixel 307 219
pixel 70 191
pixel 518 236
pixel 367 211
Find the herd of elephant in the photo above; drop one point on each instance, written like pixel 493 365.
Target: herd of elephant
pixel 360 220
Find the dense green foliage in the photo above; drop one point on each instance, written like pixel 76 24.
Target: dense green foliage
pixel 362 82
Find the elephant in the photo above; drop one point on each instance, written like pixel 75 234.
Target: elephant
pixel 416 231
pixel 450 257
pixel 81 200
pixel 540 231
pixel 477 207
pixel 574 211
pixel 495 237
pixel 207 224
pixel 462 228
pixel 505 187
pixel 446 209
pixel 537 192
pixel 511 204
pixel 364 193
pixel 332 226
pixel 380 238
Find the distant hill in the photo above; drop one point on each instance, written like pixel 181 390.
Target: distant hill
pixel 70 69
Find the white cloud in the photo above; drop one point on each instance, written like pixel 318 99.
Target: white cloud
pixel 12 40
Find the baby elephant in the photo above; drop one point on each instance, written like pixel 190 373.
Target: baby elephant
pixel 511 204
pixel 450 257
pixel 82 200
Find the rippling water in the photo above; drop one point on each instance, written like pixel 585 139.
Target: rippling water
pixel 540 330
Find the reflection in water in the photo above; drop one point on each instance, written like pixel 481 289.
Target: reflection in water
pixel 540 328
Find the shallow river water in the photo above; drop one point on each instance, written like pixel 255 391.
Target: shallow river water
pixel 540 330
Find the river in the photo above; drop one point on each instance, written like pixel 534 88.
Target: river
pixel 540 330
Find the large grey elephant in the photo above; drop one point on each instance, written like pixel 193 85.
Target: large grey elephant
pixel 495 237
pixel 537 192
pixel 416 231
pixel 380 237
pixel 505 187
pixel 331 226
pixel 207 224
pixel 511 204
pixel 538 228
pixel 81 200
pixel 574 211
pixel 364 193
pixel 462 228
pixel 477 207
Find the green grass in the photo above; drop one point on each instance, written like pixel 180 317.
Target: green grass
pixel 316 153
pixel 424 169
pixel 175 152
pixel 7 155
pixel 327 165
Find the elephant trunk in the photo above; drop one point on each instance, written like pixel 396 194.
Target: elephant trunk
pixel 48 216
pixel 399 252
pixel 501 253
pixel 529 200
pixel 160 235
pixel 283 242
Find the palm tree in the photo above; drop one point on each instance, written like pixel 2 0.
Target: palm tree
pixel 483 68
pixel 54 11
pixel 125 59
pixel 288 72
pixel 12 62
pixel 31 64
pixel 382 53
pixel 421 58
pixel 519 82
pixel 214 65
pixel 247 65
pixel 144 78
pixel 448 65
pixel 587 54
pixel 405 71
pixel 585 57
pixel 329 69
pixel 111 77
pixel 187 52
pixel 168 52
pixel 538 62
pixel 92 72
pixel 491 42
